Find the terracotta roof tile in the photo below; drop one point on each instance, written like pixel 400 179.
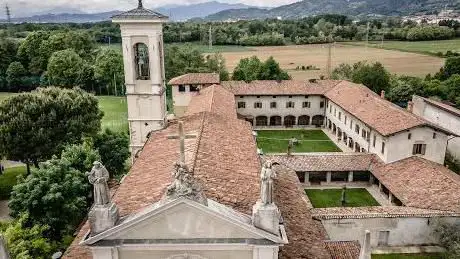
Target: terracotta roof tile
pixel 214 99
pixel 343 249
pixel 442 105
pixel 196 78
pixel 319 162
pixel 306 236
pixel 286 87
pixel 377 212
pixel 420 183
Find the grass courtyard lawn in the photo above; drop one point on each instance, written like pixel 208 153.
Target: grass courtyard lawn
pixel 408 256
pixel 9 179
pixel 328 198
pixel 424 47
pixel 276 141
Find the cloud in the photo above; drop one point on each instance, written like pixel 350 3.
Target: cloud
pixel 29 7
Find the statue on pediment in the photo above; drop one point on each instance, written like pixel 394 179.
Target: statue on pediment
pixel 98 177
pixel 267 175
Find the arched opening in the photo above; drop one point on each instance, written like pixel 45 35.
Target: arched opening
pixel 317 120
pixel 275 121
pixel 339 134
pixel 141 52
pixel 304 120
pixel 261 121
pixel 289 121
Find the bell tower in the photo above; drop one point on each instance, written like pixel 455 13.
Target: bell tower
pixel 142 43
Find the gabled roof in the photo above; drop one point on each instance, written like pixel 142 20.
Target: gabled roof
pixel 285 87
pixel 223 214
pixel 196 79
pixel 325 162
pixel 421 183
pixel 343 249
pixel 441 105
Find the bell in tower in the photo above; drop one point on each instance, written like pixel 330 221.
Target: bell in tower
pixel 142 44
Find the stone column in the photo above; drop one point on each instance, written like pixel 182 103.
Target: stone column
pixel 371 179
pixel 328 177
pixel 390 197
pixel 307 178
pixel 350 176
pixel 365 252
pixel 380 187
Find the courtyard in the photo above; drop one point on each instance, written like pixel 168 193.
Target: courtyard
pixel 277 141
pixel 329 198
pixel 407 256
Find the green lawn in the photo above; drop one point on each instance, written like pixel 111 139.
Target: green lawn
pixel 408 256
pixel 8 179
pixel 276 141
pixel 423 47
pixel 115 111
pixel 328 198
pixel 201 47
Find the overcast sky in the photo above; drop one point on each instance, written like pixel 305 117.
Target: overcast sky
pixel 20 7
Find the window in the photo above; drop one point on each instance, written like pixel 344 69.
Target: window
pixel 142 61
pixel 375 140
pixel 363 133
pixel 330 109
pixel 181 88
pixel 419 149
pixel 383 238
pixel 306 105
pixel 273 105
pixel 290 96
pixel 290 105
pixel 241 97
pixel 409 136
pixel 258 96
pixel 241 105
pixel 383 148
pixel 321 104
pixel 274 96
pixel 306 96
pixel 194 88
pixel 340 115
pixel 434 135
pixel 335 112
pixel 258 105
pixel 351 124
pixel 357 129
pixel 346 119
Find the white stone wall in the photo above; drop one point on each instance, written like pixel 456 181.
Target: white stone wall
pixel 146 98
pixel 281 109
pixel 439 117
pixel 402 231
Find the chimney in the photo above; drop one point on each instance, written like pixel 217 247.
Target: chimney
pixel 382 94
pixel 410 106
pixel 366 246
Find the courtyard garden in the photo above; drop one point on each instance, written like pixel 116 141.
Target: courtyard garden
pixel 407 256
pixel 328 198
pixel 277 141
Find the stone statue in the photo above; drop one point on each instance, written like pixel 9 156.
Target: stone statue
pixel 184 185
pixel 98 177
pixel 266 189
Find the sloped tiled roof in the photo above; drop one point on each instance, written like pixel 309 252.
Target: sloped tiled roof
pixel 140 13
pixel 306 236
pixel 421 183
pixel 196 78
pixel 441 105
pixel 377 212
pixel 272 87
pixel 325 162
pixel 343 249
pixel 378 113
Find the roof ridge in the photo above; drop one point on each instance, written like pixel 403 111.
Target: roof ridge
pixel 198 141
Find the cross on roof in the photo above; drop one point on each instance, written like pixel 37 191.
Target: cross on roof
pixel 182 136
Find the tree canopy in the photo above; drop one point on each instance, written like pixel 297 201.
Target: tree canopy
pixel 109 71
pixel 114 150
pixel 250 69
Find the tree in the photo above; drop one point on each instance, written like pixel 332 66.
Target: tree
pixel 64 68
pixel 53 195
pixel 8 49
pixel 451 88
pixel 451 67
pixel 216 63
pixel 248 69
pixel 15 74
pixel 183 60
pixel 271 70
pixel 342 72
pixel 374 76
pixel 37 125
pixel 81 157
pixel 114 150
pixel 449 238
pixel 29 52
pixel 403 88
pixel 26 242
pixel 108 70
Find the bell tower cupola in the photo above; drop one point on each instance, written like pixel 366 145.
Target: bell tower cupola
pixel 142 43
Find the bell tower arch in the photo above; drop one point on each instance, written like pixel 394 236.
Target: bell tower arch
pixel 142 43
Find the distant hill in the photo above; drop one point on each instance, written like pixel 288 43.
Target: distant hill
pixel 347 7
pixel 176 13
pixel 185 12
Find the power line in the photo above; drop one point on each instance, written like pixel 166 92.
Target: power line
pixel 8 14
pixel 210 37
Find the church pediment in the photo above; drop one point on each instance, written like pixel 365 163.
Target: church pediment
pixel 183 219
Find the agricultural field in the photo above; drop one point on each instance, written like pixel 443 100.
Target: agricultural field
pixel 290 57
pixel 115 111
pixel 423 47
